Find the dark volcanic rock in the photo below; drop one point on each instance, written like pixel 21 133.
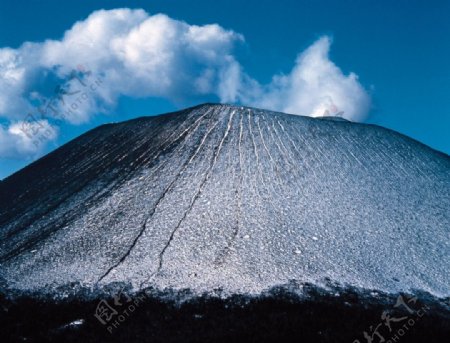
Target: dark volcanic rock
pixel 277 316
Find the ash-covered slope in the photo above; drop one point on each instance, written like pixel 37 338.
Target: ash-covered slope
pixel 233 198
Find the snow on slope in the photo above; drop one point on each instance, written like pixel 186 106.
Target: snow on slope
pixel 228 197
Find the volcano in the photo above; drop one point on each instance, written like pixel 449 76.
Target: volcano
pixel 231 199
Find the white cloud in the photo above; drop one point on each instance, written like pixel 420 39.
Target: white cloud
pixel 315 87
pixel 26 138
pixel 132 53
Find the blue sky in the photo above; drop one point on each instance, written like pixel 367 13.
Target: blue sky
pixel 399 50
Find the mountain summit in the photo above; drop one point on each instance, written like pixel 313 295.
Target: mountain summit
pixel 236 198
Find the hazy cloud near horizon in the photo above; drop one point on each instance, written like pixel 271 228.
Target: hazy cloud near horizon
pixel 130 53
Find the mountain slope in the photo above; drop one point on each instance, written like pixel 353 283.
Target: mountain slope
pixel 228 197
